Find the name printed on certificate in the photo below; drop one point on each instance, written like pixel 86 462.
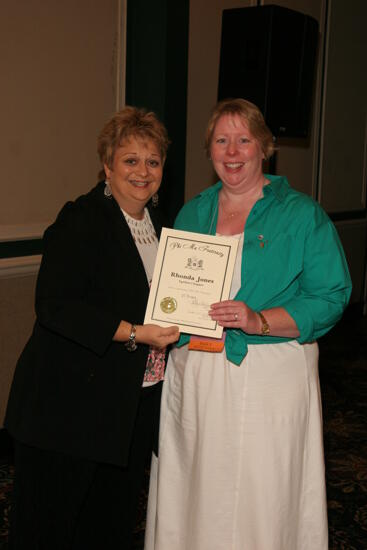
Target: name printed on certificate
pixel 192 271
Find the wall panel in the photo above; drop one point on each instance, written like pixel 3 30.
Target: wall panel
pixel 343 158
pixel 59 85
pixel 16 320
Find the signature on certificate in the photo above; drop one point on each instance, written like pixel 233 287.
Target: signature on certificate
pixel 193 300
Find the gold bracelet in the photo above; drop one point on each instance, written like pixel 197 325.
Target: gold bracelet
pixel 265 329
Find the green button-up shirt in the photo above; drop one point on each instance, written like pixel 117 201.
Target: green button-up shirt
pixel 292 258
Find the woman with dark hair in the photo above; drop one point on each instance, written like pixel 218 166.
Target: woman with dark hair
pixel 84 403
pixel 241 463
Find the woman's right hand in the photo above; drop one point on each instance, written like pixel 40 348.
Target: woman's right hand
pixel 157 336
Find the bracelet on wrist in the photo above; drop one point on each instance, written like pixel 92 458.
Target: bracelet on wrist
pixel 131 343
pixel 265 329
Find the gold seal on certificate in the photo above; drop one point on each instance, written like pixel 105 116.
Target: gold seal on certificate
pixel 168 304
pixel 192 271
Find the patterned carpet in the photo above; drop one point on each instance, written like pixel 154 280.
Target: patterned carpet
pixel 6 474
pixel 343 375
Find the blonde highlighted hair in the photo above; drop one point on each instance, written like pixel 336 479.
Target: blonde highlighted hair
pixel 253 118
pixel 130 122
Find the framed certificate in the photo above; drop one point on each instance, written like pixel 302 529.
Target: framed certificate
pixel 192 271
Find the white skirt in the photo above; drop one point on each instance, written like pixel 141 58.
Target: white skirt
pixel 241 464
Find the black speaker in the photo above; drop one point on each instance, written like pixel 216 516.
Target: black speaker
pixel 268 56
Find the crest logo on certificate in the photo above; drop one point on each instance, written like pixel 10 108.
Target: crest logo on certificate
pixel 192 271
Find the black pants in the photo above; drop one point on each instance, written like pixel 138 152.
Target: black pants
pixel 61 502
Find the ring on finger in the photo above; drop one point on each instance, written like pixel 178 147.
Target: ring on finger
pixel 235 316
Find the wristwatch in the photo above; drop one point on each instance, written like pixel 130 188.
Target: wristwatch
pixel 265 329
pixel 131 344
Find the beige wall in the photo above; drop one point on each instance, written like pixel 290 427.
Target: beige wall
pixel 16 320
pixel 63 75
pixel 58 65
pixel 343 153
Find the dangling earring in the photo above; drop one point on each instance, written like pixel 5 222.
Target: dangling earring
pixel 107 190
pixel 155 200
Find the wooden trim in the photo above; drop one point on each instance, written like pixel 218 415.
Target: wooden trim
pixel 19 267
pixel 13 249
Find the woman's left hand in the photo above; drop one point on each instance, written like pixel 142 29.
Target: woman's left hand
pixel 235 314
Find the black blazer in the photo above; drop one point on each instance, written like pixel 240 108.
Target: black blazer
pixel 74 389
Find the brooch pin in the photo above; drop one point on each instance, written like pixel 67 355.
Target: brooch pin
pixel 261 239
